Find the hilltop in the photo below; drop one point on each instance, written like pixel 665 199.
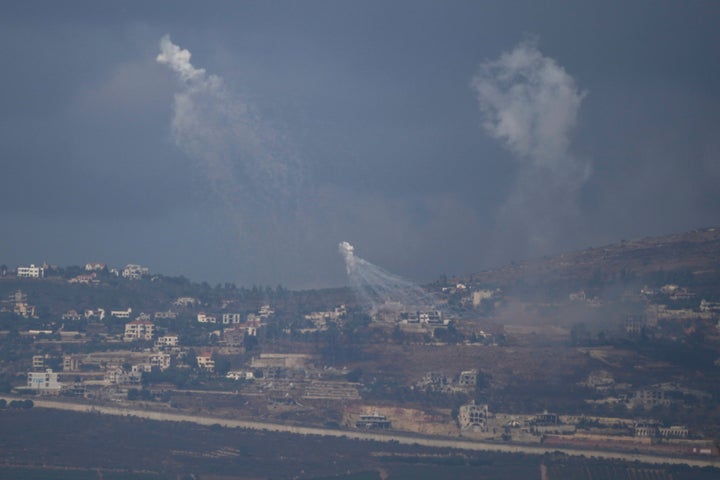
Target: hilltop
pixel 691 256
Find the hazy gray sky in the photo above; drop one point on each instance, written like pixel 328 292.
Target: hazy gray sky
pixel 241 141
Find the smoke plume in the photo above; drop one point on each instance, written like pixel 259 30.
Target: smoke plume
pixel 531 104
pixel 377 289
pixel 246 164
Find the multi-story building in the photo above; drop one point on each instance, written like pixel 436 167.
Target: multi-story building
pixel 228 318
pixel 205 361
pixel 31 272
pixel 167 341
pixel 44 382
pixel 71 363
pixel 203 317
pixel 139 330
pixel 135 272
pixel 38 362
pixel 161 361
pixel 468 378
pixel 121 313
pixel 472 416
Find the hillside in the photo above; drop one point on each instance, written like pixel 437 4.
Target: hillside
pixel 688 257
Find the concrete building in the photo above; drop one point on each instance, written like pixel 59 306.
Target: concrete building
pixel 468 378
pixel 118 376
pixel 44 382
pixel 38 362
pixel 203 317
pixel 121 313
pixel 135 272
pixel 71 363
pixel 205 361
pixel 373 421
pixel 167 341
pixel 650 397
pixel 472 416
pixel 31 272
pixel 161 361
pixel 139 330
pixel 228 318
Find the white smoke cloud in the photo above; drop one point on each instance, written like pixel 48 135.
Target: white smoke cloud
pixel 531 104
pixel 377 289
pixel 246 164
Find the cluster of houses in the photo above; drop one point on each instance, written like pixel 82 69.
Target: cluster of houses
pixel 130 271
pixel 126 368
pixel 439 382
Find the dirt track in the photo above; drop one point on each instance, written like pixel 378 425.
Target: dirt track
pixel 379 437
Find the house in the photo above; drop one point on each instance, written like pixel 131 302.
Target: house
pixel 118 376
pixel 71 363
pixel 650 397
pixel 240 375
pixel 228 318
pixel 167 315
pixel 71 315
pixel 94 267
pixel 99 313
pixel 161 361
pixel 18 300
pixel 44 382
pixel 139 330
pixel 373 421
pixel 38 362
pixel 121 313
pixel 167 341
pixel 468 378
pixel 478 296
pixel 205 361
pixel 135 272
pixel 472 416
pixel 85 279
pixel 202 317
pixel 265 312
pixel 31 272
pixel 185 302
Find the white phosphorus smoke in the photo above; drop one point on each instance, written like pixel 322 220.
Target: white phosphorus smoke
pixel 246 164
pixel 377 289
pixel 531 104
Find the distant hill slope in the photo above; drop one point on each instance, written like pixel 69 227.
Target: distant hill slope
pixel 692 255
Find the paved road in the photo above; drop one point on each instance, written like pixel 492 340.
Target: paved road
pixel 379 437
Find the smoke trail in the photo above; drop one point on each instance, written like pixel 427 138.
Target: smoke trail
pixel 377 289
pixel 531 104
pixel 248 165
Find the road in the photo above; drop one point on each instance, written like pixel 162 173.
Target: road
pixel 378 437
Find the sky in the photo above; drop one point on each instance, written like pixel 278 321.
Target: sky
pixel 243 141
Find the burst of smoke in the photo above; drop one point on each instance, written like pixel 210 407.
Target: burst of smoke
pixel 244 162
pixel 531 104
pixel 377 289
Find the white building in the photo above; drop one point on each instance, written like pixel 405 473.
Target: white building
pixel 240 375
pixel 135 272
pixel 121 313
pixel 161 361
pixel 31 272
pixel 472 416
pixel 139 330
pixel 228 318
pixel 202 317
pixel 167 341
pixel 44 382
pixel 118 376
pixel 206 362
